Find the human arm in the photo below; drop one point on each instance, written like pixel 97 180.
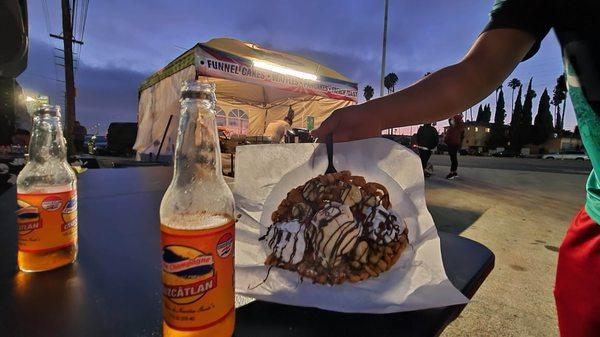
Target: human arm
pixel 440 95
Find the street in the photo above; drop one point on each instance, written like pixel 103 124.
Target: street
pixel 518 164
pixel 520 209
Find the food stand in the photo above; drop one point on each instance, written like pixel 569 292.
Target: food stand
pixel 254 86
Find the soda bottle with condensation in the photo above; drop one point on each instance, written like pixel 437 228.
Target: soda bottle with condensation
pixel 46 198
pixel 197 226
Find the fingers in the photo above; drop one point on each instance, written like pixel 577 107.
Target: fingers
pixel 328 126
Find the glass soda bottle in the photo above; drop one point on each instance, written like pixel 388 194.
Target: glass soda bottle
pixel 46 198
pixel 197 226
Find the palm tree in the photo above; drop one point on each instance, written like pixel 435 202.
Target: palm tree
pixel 559 95
pixel 513 84
pixel 389 81
pixel 368 92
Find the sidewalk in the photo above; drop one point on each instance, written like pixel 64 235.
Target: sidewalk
pixel 522 217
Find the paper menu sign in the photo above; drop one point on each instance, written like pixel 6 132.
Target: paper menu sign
pixel 266 173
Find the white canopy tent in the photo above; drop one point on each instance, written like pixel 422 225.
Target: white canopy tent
pixel 254 86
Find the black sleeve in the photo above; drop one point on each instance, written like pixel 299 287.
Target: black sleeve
pixel 531 16
pixel 420 135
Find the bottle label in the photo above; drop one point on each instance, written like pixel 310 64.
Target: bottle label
pixel 197 276
pixel 46 221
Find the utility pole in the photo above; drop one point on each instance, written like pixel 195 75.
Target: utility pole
pixel 67 37
pixel 69 76
pixel 385 20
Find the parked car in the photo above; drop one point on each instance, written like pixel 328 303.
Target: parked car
pixel 470 152
pixel 573 155
pixel 507 153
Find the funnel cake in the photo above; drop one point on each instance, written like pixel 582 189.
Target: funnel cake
pixel 336 228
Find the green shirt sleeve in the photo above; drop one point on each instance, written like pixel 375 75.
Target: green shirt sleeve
pixel 531 16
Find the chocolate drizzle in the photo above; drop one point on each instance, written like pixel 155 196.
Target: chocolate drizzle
pixel 302 226
pixel 388 228
pixel 278 240
pixel 340 234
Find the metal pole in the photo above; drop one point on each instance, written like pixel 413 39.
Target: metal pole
pixel 385 20
pixel 163 137
pixel 69 76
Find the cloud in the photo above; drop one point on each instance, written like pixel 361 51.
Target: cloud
pixel 363 70
pixel 127 40
pixel 104 95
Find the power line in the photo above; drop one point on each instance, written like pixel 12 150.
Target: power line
pixel 30 74
pixel 46 15
pixel 83 12
pixel 74 17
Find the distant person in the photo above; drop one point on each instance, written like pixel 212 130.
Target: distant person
pixel 513 34
pixel 276 130
pixel 427 140
pixel 453 140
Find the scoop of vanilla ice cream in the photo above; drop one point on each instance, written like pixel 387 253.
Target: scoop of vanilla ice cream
pixel 383 225
pixel 335 232
pixel 286 240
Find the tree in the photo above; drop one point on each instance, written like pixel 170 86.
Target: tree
pixel 542 127
pixel 514 84
pixel 487 114
pixel 558 96
pixel 500 113
pixel 368 92
pixel 528 105
pixel 515 123
pixel 479 113
pixel 561 83
pixel 389 81
pixel 496 91
pixel 497 134
pixel 558 127
pixel 527 115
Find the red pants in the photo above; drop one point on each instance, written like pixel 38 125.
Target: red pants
pixel 577 289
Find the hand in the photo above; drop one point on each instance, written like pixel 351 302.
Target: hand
pixel 353 122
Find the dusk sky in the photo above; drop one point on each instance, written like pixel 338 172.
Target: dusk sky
pixel 125 41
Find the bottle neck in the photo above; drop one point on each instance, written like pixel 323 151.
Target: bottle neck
pixel 47 142
pixel 197 152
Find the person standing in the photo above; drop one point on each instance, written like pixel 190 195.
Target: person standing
pixel 427 140
pixel 453 140
pixel 276 130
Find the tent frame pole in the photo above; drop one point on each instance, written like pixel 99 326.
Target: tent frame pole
pixel 264 92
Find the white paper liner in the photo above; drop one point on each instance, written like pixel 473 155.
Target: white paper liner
pixel 264 176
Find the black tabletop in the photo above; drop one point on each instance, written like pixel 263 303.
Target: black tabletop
pixel 114 287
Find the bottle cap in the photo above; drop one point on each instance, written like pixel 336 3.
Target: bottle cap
pixel 197 90
pixel 46 109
